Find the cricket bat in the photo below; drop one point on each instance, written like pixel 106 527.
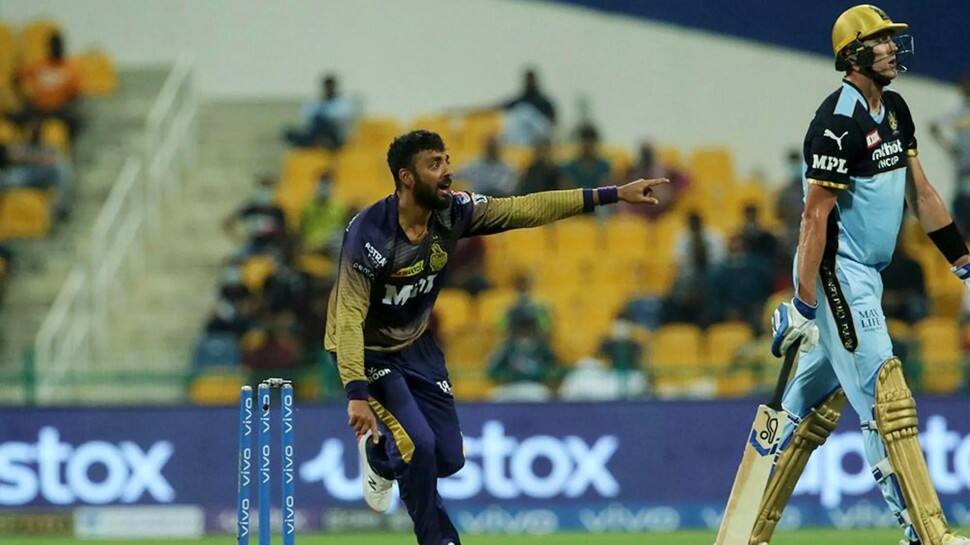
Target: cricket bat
pixel 756 463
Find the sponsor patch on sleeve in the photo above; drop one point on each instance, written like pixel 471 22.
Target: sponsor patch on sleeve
pixel 364 269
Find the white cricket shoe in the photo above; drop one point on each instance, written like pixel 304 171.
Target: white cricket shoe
pixel 954 539
pixel 377 489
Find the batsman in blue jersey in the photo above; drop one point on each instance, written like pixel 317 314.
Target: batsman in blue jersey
pixel 861 168
pixel 392 265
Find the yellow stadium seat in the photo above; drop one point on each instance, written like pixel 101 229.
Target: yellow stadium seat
pixel 255 270
pixel 454 310
pixel 723 341
pixel 563 273
pixel 576 340
pixel 620 160
pixel 677 348
pixel 292 195
pixel 216 388
pixel 479 127
pixel 9 133
pixel 713 166
pixel 737 384
pixel 577 237
pixel 627 236
pixel 518 157
pixel 35 41
pixel 741 195
pixel 471 349
pixel 8 53
pixel 899 330
pixel 306 163
pixel 616 274
pixel 24 213
pixel 376 133
pixel 491 306
pixel 472 388
pixel 669 156
pixel 444 125
pixel 666 232
pixel 942 354
pixel 520 251
pixel 54 133
pixel 97 73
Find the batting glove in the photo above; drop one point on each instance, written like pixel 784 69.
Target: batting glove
pixel 790 322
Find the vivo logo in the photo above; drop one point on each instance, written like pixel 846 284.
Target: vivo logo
pixel 61 473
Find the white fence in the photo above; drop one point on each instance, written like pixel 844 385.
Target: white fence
pixel 75 336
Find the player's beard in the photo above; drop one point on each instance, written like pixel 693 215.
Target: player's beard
pixel 426 195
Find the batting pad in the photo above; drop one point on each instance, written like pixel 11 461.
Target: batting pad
pixel 895 413
pixel 810 433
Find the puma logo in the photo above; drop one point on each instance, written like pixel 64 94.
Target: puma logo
pixel 372 483
pixel 838 139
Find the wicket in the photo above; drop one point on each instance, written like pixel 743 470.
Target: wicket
pixel 287 465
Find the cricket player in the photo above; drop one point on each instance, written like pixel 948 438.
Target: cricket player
pixel 861 167
pixel 392 263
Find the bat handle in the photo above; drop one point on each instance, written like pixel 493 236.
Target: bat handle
pixel 783 376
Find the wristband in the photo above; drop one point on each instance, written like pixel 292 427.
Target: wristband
pixel 950 242
pixel 357 389
pixel 588 203
pixel 608 194
pixel 803 308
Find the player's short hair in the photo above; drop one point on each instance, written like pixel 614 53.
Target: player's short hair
pixel 405 147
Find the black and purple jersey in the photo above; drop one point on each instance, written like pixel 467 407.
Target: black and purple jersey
pixel 387 285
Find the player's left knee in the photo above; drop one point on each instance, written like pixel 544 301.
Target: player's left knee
pixel 450 465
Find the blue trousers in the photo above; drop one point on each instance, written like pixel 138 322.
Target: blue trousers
pixel 853 345
pixel 421 439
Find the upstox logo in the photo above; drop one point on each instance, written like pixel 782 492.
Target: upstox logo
pixel 497 465
pixel 61 473
pixel 828 476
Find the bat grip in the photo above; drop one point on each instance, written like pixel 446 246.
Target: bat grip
pixel 786 368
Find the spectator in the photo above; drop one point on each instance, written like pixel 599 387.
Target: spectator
pixel 466 266
pixel 904 287
pixel 589 169
pixel 488 174
pixel 647 166
pixel 533 96
pixel 757 240
pixel 698 252
pixel 526 308
pixel 789 200
pixel 52 87
pixel 952 132
pixel 321 225
pixel 32 165
pixel 327 122
pixel 264 220
pixel 699 246
pixel 543 174
pixel 273 348
pixel 615 374
pixel 742 284
pixel 524 366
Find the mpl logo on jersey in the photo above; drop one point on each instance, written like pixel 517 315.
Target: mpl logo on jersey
pixel 497 465
pixel 94 472
pixel 831 164
pixel 837 471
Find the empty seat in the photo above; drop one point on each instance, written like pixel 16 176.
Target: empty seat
pixel 677 349
pixel 942 354
pixel 96 72
pixel 24 213
pixel 722 342
pixel 454 311
pixel 216 388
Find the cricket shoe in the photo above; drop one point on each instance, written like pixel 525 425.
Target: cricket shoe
pixel 377 489
pixel 948 539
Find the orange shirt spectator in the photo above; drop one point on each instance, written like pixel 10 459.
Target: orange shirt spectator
pixel 50 86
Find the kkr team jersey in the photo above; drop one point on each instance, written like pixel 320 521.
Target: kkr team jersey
pixel 386 286
pixel 863 156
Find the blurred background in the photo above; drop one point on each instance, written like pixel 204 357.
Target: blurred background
pixel 175 178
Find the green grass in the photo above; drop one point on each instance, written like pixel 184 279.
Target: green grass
pixel 800 537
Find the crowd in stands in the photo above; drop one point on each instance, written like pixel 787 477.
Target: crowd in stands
pixel 671 300
pixel 41 89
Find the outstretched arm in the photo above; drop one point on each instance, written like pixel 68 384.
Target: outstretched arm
pixel 494 215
